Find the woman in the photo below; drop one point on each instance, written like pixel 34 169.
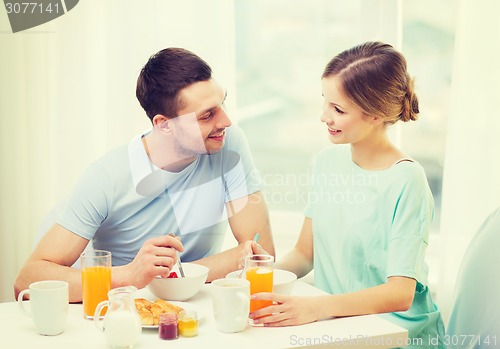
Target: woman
pixel 367 221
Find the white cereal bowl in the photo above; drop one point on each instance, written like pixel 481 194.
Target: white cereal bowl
pixel 283 280
pixel 181 288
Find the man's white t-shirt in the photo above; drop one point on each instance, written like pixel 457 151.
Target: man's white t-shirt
pixel 122 200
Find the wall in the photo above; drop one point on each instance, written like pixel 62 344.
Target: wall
pixel 67 92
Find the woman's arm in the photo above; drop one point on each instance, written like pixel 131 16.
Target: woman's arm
pixel 395 295
pixel 299 260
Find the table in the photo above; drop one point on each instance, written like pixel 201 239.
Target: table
pixel 370 331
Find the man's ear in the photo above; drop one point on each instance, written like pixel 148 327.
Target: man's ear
pixel 162 123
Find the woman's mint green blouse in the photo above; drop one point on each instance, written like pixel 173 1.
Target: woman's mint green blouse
pixel 370 225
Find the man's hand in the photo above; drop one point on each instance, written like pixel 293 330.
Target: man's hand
pixel 155 258
pixel 250 247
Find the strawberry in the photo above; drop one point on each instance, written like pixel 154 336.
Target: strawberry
pixel 172 275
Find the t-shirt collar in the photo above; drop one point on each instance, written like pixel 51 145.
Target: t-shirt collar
pixel 148 179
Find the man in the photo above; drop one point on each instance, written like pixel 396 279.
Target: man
pixel 188 177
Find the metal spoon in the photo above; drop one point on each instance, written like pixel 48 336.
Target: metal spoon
pixel 179 264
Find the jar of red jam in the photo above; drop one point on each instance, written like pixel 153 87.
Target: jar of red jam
pixel 188 323
pixel 167 327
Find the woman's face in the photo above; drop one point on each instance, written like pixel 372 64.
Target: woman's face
pixel 346 122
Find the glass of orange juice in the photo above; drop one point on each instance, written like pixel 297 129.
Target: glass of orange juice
pixel 96 280
pixel 259 272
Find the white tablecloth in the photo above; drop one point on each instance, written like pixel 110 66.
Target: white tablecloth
pixel 18 331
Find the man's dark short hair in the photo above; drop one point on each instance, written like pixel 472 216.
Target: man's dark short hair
pixel 162 78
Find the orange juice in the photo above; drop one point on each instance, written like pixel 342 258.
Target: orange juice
pixel 261 280
pixel 96 283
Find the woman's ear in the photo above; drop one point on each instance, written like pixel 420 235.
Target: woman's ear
pixel 162 123
pixel 375 119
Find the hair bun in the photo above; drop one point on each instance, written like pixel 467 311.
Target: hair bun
pixel 410 104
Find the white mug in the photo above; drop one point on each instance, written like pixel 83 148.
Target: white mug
pixel 49 306
pixel 231 301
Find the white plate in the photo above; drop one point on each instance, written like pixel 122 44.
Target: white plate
pixel 185 306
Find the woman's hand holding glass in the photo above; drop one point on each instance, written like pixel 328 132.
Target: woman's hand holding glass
pixel 286 310
pixel 283 310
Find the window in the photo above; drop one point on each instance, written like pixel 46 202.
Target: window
pixel 428 44
pixel 281 50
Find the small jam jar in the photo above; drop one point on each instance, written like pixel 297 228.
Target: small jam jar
pixel 167 327
pixel 188 323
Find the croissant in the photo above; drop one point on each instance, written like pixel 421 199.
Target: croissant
pixel 167 307
pixel 149 312
pixel 147 317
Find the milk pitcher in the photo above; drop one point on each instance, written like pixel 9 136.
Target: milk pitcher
pixel 121 324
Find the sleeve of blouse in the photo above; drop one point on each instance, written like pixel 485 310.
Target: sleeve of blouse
pixel 409 235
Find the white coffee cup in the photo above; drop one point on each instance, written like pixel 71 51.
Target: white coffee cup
pixel 48 306
pixel 231 301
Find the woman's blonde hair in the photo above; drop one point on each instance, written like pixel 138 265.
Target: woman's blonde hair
pixel 374 76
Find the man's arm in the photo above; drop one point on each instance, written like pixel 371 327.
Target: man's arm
pixel 247 216
pixel 52 259
pixel 60 248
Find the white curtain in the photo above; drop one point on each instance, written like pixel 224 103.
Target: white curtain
pixel 67 95
pixel 471 187
pixel 382 20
